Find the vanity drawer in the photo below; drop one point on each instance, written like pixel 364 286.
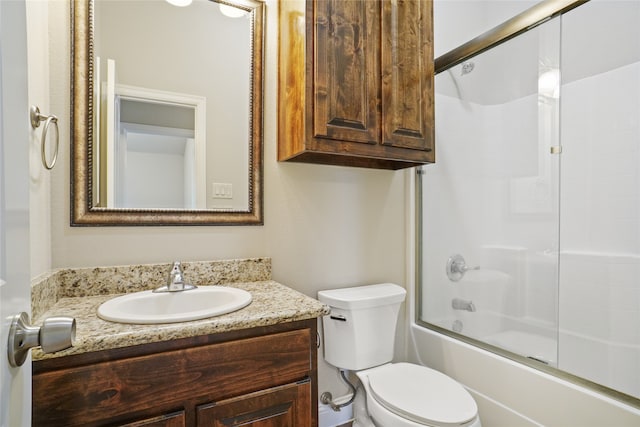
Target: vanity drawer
pixel 170 381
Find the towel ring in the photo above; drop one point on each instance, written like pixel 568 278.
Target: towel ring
pixel 36 118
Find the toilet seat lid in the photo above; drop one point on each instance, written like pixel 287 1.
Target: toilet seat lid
pixel 422 394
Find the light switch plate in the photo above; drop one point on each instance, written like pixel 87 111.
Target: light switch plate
pixel 222 190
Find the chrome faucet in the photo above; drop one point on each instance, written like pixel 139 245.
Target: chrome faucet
pixel 175 282
pixel 460 304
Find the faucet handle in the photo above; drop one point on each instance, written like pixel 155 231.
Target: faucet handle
pixel 176 275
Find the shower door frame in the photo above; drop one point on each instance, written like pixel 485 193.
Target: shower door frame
pixel 519 24
pixel 523 22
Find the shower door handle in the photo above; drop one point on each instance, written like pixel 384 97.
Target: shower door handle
pixel 457 267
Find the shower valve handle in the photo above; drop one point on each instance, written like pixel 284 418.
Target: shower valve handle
pixel 457 267
pixel 466 268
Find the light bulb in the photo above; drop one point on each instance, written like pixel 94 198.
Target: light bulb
pixel 180 3
pixel 231 12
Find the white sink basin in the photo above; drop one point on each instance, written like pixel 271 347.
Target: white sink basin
pixel 149 307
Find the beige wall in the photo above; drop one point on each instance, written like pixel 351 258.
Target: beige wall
pixel 325 226
pixel 40 178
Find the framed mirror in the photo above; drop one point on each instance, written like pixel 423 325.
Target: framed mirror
pixel 167 112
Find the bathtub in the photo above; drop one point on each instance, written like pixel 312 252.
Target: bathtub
pixel 509 393
pixel 611 363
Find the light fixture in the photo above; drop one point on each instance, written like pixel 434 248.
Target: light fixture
pixel 180 3
pixel 231 12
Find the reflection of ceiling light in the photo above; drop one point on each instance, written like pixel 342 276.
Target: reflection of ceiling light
pixel 180 3
pixel 549 83
pixel 231 12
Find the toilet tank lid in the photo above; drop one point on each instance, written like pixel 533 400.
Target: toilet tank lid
pixel 363 296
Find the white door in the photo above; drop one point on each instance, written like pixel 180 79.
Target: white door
pixel 15 383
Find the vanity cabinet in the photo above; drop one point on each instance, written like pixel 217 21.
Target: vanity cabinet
pixel 356 83
pixel 263 376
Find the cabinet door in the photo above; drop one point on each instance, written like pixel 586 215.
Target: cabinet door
pixel 346 69
pixel 285 406
pixel 407 70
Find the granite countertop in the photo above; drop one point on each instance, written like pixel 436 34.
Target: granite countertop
pixel 272 303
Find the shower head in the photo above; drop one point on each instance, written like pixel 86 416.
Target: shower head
pixel 467 67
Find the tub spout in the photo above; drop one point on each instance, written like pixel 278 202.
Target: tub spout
pixel 460 304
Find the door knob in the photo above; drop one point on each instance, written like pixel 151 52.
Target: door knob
pixel 55 334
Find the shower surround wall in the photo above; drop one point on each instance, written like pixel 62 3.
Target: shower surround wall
pixel 557 237
pixel 599 311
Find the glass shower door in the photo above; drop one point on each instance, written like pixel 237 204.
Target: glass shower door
pixel 599 305
pixel 490 221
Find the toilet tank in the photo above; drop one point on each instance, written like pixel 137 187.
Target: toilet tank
pixel 360 331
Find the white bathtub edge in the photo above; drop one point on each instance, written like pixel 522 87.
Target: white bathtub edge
pixel 529 393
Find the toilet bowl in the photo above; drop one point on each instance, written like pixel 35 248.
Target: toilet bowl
pixel 359 336
pixel 408 395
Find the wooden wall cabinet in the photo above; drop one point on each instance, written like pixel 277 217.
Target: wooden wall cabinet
pixel 260 377
pixel 356 82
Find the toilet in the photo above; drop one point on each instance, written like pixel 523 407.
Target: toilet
pixel 359 336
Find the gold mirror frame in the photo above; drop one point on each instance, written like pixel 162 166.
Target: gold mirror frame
pixel 83 213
